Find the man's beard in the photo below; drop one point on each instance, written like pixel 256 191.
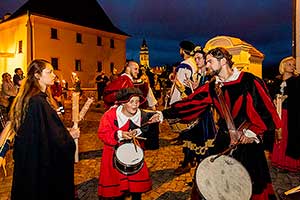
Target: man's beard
pixel 133 76
pixel 215 72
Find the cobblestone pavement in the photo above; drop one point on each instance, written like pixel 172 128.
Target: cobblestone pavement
pixel 161 163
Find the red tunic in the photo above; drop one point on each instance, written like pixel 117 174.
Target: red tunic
pixel 112 183
pixel 109 95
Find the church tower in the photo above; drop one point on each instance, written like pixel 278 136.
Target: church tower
pixel 144 55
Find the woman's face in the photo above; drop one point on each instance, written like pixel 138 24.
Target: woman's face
pixel 47 77
pixel 131 107
pixel 290 66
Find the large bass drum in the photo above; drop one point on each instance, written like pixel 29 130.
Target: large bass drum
pixel 223 178
pixel 129 159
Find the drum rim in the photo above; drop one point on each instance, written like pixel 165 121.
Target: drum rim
pixel 119 164
pixel 123 171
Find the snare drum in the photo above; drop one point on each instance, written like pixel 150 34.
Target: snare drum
pixel 127 159
pixel 224 178
pixel 178 127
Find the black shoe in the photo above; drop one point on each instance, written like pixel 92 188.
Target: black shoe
pixel 190 184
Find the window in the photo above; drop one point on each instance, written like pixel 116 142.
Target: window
pixel 112 65
pixel 20 47
pixel 54 63
pixel 99 66
pixel 99 41
pixel 77 65
pixel 112 43
pixel 78 38
pixel 54 33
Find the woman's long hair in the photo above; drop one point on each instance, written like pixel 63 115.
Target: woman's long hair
pixel 30 86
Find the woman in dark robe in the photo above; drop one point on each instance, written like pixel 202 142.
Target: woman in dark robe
pixel 44 149
pixel 286 151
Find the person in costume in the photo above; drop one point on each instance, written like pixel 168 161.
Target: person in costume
pixel 249 103
pixel 119 125
pixel 180 89
pixel 196 139
pixel 286 152
pixel 125 80
pixel 142 82
pixel 43 149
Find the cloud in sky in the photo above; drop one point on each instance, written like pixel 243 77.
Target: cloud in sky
pixel 266 24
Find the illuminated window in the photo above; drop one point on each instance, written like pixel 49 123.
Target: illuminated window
pixel 78 38
pixel 77 65
pixel 54 63
pixel 54 33
pixel 20 47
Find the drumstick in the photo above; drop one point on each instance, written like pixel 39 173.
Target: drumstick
pixel 293 190
pixel 135 143
pixel 142 138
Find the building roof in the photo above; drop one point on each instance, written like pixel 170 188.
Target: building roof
pixel 86 13
pixel 230 42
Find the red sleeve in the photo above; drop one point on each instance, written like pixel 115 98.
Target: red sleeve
pixel 191 107
pixel 107 131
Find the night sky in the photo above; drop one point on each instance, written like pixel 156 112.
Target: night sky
pixel 266 24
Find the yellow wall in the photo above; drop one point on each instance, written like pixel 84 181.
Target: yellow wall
pixel 11 33
pixel 64 48
pixel 244 55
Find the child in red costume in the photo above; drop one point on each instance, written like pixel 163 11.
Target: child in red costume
pixel 120 124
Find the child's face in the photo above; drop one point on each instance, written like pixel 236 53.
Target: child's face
pixel 132 106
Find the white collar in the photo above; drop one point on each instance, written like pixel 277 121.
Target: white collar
pixel 122 119
pixel 235 75
pixel 124 74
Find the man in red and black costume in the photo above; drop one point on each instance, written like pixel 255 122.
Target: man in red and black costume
pixel 249 101
pixel 125 80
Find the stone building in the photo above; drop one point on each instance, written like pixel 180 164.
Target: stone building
pixel 75 36
pixel 244 55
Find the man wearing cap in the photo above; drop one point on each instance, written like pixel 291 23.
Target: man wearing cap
pixel 125 80
pixel 181 88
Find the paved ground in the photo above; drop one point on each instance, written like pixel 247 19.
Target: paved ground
pixel 161 162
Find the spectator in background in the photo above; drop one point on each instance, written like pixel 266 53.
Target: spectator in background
pixel 114 75
pixel 157 87
pixel 9 91
pixel 18 77
pixel 286 151
pixel 101 81
pixel 56 91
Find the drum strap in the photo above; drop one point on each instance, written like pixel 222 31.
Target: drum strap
pixel 234 134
